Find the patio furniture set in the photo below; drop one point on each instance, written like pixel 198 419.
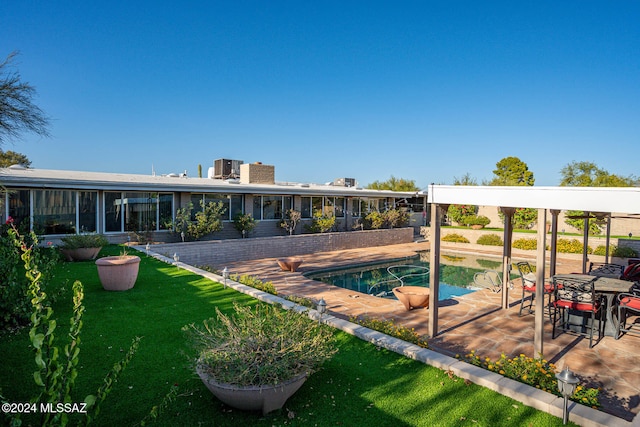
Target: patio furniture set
pixel 602 300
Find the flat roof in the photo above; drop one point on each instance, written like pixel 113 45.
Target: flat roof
pixel 47 178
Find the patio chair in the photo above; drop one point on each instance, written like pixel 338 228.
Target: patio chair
pixel 489 279
pixel 575 297
pixel 628 302
pixel 528 278
pixel 601 269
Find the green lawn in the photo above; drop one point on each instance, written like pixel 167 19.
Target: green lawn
pixel 361 386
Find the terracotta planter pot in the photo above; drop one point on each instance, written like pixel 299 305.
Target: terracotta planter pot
pixel 118 273
pixel 477 227
pixel 412 296
pixel 265 398
pixel 289 264
pixel 80 254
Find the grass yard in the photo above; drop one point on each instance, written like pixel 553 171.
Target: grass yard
pixel 361 386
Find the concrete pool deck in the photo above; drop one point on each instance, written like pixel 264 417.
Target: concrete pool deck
pixel 475 322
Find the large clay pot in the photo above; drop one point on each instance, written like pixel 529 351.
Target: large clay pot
pixel 265 398
pixel 80 254
pixel 289 264
pixel 118 273
pixel 412 296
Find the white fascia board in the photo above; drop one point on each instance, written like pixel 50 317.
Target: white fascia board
pixel 591 199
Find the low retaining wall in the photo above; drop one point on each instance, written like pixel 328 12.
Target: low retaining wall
pixel 217 253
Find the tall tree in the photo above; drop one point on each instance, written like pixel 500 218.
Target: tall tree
pixel 512 171
pixel 18 113
pixel 588 174
pixel 394 184
pixel 9 158
pixel 466 179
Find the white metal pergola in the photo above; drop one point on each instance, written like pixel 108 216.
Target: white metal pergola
pixel 601 201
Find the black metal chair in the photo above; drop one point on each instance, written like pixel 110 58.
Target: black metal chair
pixel 528 278
pixel 575 297
pixel 602 269
pixel 628 302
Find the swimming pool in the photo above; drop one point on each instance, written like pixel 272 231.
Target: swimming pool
pixel 376 279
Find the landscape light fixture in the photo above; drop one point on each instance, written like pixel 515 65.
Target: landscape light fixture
pixel 147 247
pixel 567 383
pixel 176 258
pixel 322 308
pixel 225 276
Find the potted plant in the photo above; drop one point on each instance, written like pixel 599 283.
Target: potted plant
pixel 258 357
pixel 119 272
pixel 82 247
pixel 476 222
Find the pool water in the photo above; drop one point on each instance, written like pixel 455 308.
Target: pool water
pixel 377 280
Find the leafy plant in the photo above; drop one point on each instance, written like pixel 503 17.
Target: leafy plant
pixel 536 372
pixel 457 213
pixel 373 220
pixel 571 246
pixel 255 282
pixel 291 220
pixel 244 223
pixel 389 327
pixel 455 238
pixel 394 218
pixel 624 252
pixel 88 240
pixel 476 220
pixel 303 301
pixel 15 304
pixel 321 223
pixel 528 244
pixel 575 220
pixel 490 240
pixel 260 346
pixel 207 220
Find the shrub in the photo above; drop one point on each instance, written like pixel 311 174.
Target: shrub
pixel 15 304
pixel 536 372
pixel 490 240
pixel 526 244
pixel 261 345
pixel 475 220
pixel 91 240
pixel 255 282
pixel 389 327
pixel 303 301
pixel 571 246
pixel 394 218
pixel 373 220
pixel 624 252
pixel 457 213
pixel 244 223
pixel 321 223
pixel 455 238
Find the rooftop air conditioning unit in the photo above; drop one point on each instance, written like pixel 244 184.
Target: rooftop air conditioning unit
pixel 226 168
pixel 345 182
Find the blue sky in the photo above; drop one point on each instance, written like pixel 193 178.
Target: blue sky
pixel 427 91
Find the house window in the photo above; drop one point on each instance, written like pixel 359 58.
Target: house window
pixel 271 207
pixel 137 211
pixel 19 208
pixel 233 203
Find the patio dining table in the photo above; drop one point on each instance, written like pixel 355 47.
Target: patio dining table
pixel 609 287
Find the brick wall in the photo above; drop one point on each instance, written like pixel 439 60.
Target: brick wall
pixel 216 253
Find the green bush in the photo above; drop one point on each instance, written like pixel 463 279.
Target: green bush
pixel 457 213
pixel 475 220
pixel 91 240
pixel 571 246
pixel 527 244
pixel 255 282
pixel 389 327
pixel 455 238
pixel 321 223
pixel 490 240
pixel 624 252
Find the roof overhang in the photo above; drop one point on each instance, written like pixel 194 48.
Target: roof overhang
pixel 591 199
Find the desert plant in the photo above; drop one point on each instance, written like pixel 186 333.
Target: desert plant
pixel 455 238
pixel 457 213
pixel 374 220
pixel 85 240
pixel 475 220
pixel 490 240
pixel 260 345
pixel 255 282
pixel 244 223
pixel 207 221
pixel 394 218
pixel 321 223
pixel 291 220
pixel 389 327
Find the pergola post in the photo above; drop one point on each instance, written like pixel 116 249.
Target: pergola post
pixel 434 267
pixel 540 276
pixel 506 254
pixel 554 241
pixel 585 242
